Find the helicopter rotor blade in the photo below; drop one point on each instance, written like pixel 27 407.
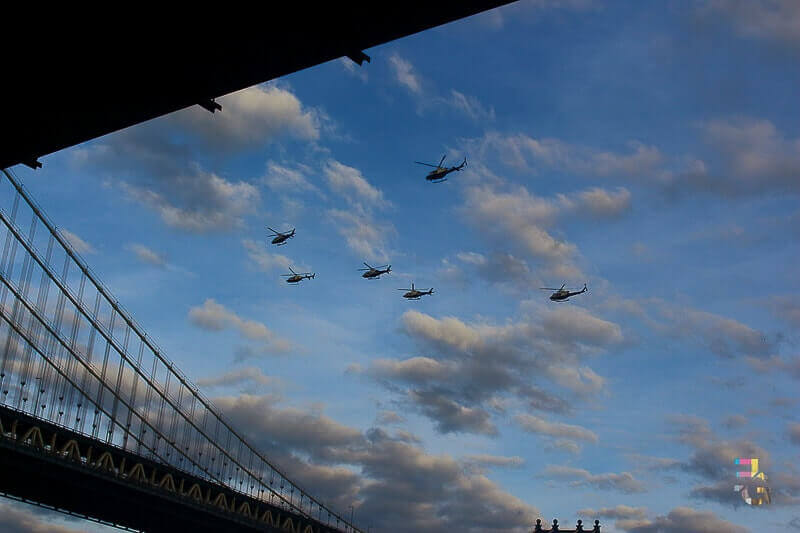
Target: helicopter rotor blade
pixel 549 289
pixel 273 231
pixel 426 164
pixel 442 161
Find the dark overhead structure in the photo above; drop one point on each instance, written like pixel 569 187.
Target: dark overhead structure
pixel 68 84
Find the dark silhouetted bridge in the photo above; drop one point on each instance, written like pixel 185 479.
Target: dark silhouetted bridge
pixel 95 419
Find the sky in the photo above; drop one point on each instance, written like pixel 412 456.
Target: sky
pixel 649 150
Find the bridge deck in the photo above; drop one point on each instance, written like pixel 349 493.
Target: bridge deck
pixel 53 465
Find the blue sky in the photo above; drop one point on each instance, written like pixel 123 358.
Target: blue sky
pixel 650 151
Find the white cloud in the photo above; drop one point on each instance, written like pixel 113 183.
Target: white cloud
pixel 722 336
pixel 564 445
pixel 264 260
pixel 199 201
pixel 765 19
pixel 620 512
pixel 787 308
pixel 393 480
pixel 512 214
pixel 495 460
pixel 582 380
pixel 734 421
pixel 624 481
pixel 76 243
pixel 240 376
pixel 496 18
pixel 389 417
pixel 470 106
pixel 24 519
pixel 146 255
pixel 404 73
pixel 685 520
pixel 251 117
pixel 577 323
pixel 350 183
pixel 526 152
pixel 467 371
pixel 603 203
pixel 520 215
pixel 793 430
pixel 534 424
pixel 286 179
pixel 363 234
pixel 213 316
pixel 354 69
pixel 757 155
pixel 413 369
pixel 451 416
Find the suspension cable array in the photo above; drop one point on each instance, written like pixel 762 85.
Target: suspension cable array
pixel 70 354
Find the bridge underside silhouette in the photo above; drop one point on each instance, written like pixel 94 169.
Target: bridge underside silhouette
pixel 55 466
pixel 158 67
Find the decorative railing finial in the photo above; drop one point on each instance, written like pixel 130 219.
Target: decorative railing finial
pixel 555 528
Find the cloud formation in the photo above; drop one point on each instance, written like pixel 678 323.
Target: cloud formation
pixel 249 375
pixel 287 179
pixel 363 234
pixel 198 201
pixel 620 512
pixel 405 74
pixel 76 243
pixel 470 106
pixel 212 316
pixel 157 163
pixel 535 424
pixel 777 20
pixel 146 255
pixel 394 483
pixel 18 519
pixel 251 117
pixel 712 462
pixel 469 370
pixel 264 260
pixel 756 155
pixel 793 430
pixel 350 183
pixel 524 152
pixel 523 217
pixel 623 482
pixel 685 520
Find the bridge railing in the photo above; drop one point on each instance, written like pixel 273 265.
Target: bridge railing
pixel 71 354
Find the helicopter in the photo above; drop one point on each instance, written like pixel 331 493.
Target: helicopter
pixel 439 174
pixel 414 294
pixel 294 277
pixel 375 273
pixel 562 294
pixel 281 238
